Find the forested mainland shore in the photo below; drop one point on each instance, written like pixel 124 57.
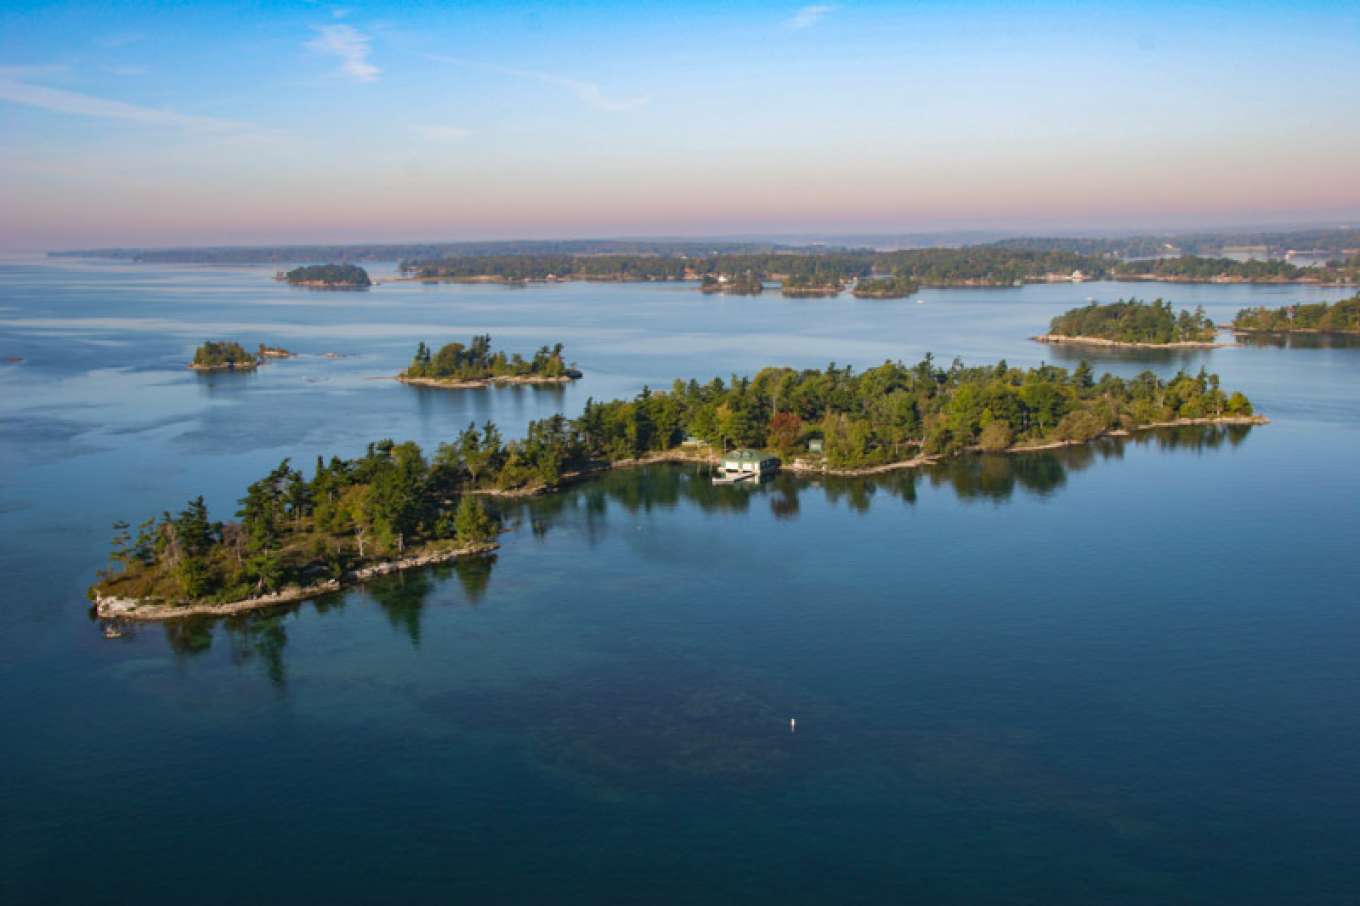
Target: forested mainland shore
pixel 826 272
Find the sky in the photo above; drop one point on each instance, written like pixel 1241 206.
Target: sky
pixel 215 123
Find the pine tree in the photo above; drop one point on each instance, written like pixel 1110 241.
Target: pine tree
pixel 472 524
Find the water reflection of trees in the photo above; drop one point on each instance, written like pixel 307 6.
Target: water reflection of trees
pixel 995 477
pixel 251 638
pixel 404 595
pixel 1300 340
pixel 1189 359
pixel 261 638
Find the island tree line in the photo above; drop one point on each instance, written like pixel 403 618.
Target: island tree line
pixel 980 265
pixel 1134 321
pixel 1319 317
pixel 475 361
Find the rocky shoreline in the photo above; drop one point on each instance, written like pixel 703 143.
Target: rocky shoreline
pixel 805 467
pixel 116 608
pixel 226 366
pixel 475 383
pixel 925 459
pixel 1314 331
pixel 1057 338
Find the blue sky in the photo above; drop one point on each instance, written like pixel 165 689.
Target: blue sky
pixel 154 123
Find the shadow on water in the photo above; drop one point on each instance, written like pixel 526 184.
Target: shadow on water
pixel 1300 340
pixel 225 383
pixel 1069 355
pixel 253 638
pixel 403 596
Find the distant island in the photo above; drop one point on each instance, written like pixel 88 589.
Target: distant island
pixel 228 355
pixel 924 259
pixel 812 285
pixel 460 367
pixel 885 288
pixel 392 508
pixel 223 356
pixel 1132 322
pixel 747 283
pixel 817 271
pixel 1318 317
pixel 328 276
pixel 1327 244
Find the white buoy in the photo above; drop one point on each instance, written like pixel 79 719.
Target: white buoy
pixel 793 725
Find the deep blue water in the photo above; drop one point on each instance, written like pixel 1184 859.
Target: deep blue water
pixel 1119 674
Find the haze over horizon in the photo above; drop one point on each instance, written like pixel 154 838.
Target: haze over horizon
pixel 130 124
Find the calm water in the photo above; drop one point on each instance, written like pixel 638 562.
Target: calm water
pixel 1122 674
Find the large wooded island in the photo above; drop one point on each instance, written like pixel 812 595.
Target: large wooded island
pixel 296 536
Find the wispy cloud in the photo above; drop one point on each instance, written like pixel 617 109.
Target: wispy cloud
pixel 589 92
pixel 34 71
pixel 808 16
pixel 120 39
pixel 127 70
pixel 59 100
pixel 442 133
pixel 351 46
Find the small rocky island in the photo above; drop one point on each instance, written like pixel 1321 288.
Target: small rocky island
pixel 744 284
pixel 327 276
pixel 811 286
pixel 1318 317
pixel 459 367
pixel 227 355
pixel 894 287
pixel 1133 323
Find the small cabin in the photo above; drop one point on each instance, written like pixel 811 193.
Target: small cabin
pixel 814 445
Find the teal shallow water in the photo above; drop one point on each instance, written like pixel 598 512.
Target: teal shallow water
pixel 1121 674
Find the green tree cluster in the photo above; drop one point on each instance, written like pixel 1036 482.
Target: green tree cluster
pixel 337 275
pixel 1133 321
pixel 1320 317
pixel 225 354
pixel 476 361
pixel 894 287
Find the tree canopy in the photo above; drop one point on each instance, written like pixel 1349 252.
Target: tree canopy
pixel 1134 321
pixel 339 275
pixel 222 354
pixel 476 361
pixel 1322 317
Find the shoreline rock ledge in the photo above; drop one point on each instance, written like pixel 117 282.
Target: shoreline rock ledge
pixel 112 607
